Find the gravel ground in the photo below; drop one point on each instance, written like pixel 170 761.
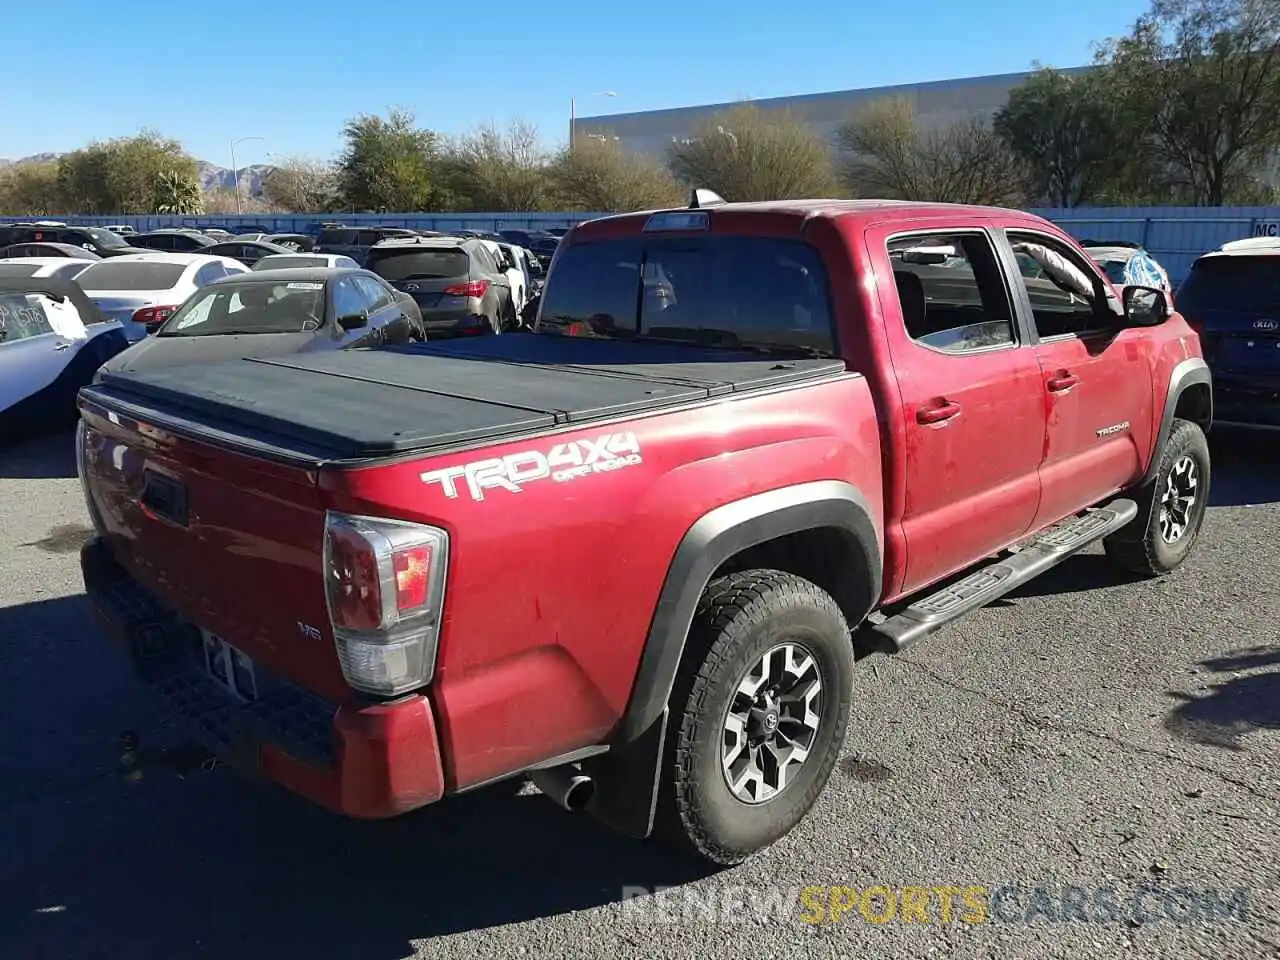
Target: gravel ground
pixel 1086 733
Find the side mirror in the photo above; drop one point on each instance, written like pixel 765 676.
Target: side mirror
pixel 1145 306
pixel 354 321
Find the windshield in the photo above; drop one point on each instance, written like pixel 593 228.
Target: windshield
pixel 18 269
pixel 730 291
pixel 282 262
pixel 1244 284
pixel 418 263
pixel 259 306
pixel 104 238
pixel 131 275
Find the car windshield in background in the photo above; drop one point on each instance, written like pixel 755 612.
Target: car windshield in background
pixel 18 269
pixel 1114 269
pixel 726 291
pixel 266 306
pixel 416 263
pixel 130 275
pixel 104 238
pixel 1245 284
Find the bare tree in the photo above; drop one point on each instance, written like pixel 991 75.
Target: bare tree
pixel 749 154
pixel 601 176
pixel 492 169
pixel 887 153
pixel 1201 78
pixel 301 185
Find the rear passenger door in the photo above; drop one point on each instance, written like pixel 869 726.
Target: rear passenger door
pixel 971 404
pixel 1095 382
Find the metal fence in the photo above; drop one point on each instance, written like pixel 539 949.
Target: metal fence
pixel 1174 235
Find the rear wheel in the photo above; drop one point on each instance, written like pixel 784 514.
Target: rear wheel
pixel 1171 508
pixel 759 713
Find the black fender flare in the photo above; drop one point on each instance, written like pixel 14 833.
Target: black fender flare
pixel 1187 373
pixel 714 538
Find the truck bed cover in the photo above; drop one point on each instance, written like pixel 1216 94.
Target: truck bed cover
pixel 364 404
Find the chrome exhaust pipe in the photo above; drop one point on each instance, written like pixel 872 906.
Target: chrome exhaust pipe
pixel 568 786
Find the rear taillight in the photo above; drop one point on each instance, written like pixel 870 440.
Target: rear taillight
pixel 473 288
pixel 82 464
pixel 384 586
pixel 153 318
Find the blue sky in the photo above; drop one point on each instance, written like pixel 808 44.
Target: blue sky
pixel 293 71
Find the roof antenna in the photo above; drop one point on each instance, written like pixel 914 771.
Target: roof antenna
pixel 704 198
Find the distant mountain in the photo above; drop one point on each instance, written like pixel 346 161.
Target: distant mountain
pixel 212 176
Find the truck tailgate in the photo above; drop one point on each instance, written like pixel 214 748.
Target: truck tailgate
pixel 230 542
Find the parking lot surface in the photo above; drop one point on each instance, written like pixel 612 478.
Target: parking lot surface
pixel 1088 732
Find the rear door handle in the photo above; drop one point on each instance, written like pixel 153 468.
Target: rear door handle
pixel 1064 381
pixel 62 346
pixel 938 413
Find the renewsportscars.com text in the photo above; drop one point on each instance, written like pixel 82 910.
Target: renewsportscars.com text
pixel 880 904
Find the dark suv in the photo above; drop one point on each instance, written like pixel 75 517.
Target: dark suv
pixel 355 242
pixel 1232 299
pixel 94 239
pixel 454 280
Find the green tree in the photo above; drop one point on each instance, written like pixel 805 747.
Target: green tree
pixel 387 163
pixel 887 153
pixel 177 192
pixel 301 185
pixel 748 154
pixel 1064 130
pixel 123 175
pixel 30 189
pixel 598 175
pixel 496 170
pixel 1202 81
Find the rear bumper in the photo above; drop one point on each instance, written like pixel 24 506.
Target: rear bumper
pixel 360 759
pixel 1246 399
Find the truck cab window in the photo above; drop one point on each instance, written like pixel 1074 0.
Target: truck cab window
pixel 951 292
pixel 1059 299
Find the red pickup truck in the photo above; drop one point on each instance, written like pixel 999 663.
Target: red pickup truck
pixel 634 552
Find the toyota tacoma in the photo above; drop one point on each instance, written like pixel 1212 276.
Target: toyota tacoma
pixel 634 552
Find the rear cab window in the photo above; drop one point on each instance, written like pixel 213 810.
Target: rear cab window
pixel 708 289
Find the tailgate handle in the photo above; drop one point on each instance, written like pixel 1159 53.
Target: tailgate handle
pixel 163 499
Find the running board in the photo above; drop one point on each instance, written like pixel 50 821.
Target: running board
pixel 1042 552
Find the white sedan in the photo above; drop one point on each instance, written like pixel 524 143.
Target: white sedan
pixel 65 268
pixel 142 290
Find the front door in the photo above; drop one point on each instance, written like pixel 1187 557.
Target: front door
pixel 971 405
pixel 1095 382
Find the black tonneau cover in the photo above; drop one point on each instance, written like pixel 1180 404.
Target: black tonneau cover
pixel 353 405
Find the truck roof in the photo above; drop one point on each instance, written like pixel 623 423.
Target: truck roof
pixel 809 209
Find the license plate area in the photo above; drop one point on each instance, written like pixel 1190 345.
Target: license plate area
pixel 229 668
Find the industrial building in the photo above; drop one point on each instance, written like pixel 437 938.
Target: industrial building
pixel 938 103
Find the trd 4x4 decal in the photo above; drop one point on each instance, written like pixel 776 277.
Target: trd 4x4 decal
pixel 564 461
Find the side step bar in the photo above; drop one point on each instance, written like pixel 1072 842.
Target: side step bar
pixel 1044 551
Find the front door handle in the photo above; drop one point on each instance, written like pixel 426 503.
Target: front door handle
pixel 938 413
pixel 1063 381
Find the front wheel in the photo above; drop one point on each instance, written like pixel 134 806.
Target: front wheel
pixel 758 714
pixel 1171 508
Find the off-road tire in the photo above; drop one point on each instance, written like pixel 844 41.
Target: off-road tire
pixel 1139 547
pixel 739 618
